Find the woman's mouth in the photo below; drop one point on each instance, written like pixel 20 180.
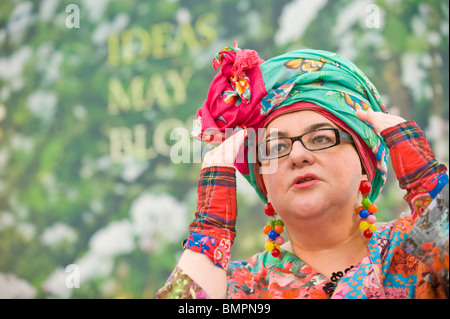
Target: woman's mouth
pixel 304 181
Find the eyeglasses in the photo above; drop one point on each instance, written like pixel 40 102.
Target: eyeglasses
pixel 315 140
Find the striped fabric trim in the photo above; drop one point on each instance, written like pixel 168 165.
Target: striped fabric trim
pixel 217 175
pixel 403 132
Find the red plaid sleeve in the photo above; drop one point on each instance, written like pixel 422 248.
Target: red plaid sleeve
pixel 414 163
pixel 212 231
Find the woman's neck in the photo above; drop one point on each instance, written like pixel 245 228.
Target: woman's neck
pixel 327 249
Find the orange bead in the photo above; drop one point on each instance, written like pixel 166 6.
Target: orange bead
pixel 267 229
pixel 279 229
pixel 372 208
pixel 359 209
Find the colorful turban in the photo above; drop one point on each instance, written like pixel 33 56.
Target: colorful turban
pixel 247 92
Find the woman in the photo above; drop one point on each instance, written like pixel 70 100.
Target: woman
pixel 318 161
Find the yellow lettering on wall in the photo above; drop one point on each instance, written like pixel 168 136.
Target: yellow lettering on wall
pixel 161 36
pixel 206 27
pixel 162 134
pixel 164 91
pixel 119 99
pixel 125 142
pixel 136 45
pixel 141 153
pixel 179 84
pixel 157 92
pixel 113 50
pixel 161 40
pixel 120 143
pixel 184 35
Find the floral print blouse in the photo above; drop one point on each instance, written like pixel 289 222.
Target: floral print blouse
pixel 407 257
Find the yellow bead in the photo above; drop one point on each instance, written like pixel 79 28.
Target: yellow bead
pixel 364 225
pixel 269 246
pixel 372 227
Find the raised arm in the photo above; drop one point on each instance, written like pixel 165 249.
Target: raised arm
pixel 207 249
pixel 417 170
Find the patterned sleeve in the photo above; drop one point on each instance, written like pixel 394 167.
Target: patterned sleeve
pixel 426 183
pixel 428 239
pixel 417 170
pixel 212 231
pixel 181 286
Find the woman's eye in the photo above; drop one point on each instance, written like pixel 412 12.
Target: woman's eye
pixel 277 148
pixel 321 139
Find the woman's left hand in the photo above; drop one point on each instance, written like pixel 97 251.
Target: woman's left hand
pixel 379 120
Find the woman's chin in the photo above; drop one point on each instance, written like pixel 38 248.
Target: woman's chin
pixel 307 208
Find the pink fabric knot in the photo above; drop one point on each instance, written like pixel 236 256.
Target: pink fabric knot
pixel 234 61
pixel 245 60
pixel 236 66
pixel 225 60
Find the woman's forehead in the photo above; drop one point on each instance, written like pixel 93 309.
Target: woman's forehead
pixel 297 122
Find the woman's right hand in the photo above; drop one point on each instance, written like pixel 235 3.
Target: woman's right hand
pixel 225 154
pixel 379 120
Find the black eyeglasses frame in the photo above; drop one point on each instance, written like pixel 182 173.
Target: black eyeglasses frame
pixel 340 136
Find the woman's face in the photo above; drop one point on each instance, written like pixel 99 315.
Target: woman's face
pixel 329 178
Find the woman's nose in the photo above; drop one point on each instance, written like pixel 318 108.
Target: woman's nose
pixel 299 155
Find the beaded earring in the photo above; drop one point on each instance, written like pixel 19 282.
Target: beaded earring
pixel 273 229
pixel 367 211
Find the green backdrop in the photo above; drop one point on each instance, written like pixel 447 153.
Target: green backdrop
pixel 91 203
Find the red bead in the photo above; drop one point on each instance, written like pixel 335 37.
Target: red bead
pixel 276 252
pixel 365 187
pixel 268 209
pixel 368 233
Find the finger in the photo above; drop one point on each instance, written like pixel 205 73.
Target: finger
pixel 231 149
pixel 367 116
pixel 379 121
pixel 362 115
